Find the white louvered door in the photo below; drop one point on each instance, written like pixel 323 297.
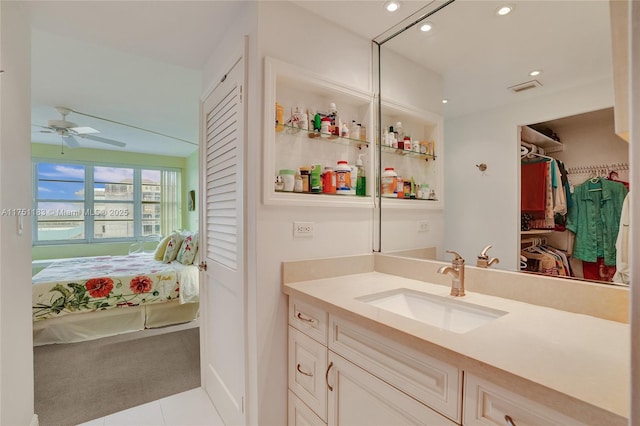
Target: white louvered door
pixel 222 228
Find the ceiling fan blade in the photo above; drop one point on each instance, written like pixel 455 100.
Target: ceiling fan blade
pixel 47 129
pixel 103 140
pixel 84 130
pixel 71 141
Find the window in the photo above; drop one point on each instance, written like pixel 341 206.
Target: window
pixel 94 202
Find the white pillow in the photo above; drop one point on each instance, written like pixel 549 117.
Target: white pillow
pixel 158 254
pixel 173 246
pixel 188 249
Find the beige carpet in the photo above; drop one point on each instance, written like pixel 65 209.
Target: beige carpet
pixel 78 382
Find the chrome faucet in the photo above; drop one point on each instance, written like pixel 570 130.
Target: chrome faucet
pixel 456 270
pixel 483 259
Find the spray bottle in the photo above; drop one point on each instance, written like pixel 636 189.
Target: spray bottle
pixel 361 182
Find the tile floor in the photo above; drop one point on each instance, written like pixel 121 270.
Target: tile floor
pixel 190 408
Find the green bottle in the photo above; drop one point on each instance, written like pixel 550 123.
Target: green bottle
pixel 361 180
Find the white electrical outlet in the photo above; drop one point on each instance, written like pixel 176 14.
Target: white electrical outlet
pixel 303 229
pixel 423 226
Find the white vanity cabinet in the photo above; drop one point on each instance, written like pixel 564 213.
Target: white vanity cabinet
pixel 360 378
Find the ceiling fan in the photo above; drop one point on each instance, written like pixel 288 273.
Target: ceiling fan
pixel 70 131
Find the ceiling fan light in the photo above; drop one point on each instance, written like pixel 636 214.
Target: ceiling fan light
pixel 535 73
pixel 392 6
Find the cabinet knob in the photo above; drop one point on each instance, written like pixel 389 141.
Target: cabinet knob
pixel 304 318
pixel 509 420
pixel 326 376
pixel 301 371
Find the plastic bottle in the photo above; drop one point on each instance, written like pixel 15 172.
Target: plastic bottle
pixel 343 178
pixel 393 141
pixel 361 181
pixel 354 131
pixel 362 132
pixel 389 184
pixel 325 127
pixel 399 131
pixel 329 181
pixel 345 130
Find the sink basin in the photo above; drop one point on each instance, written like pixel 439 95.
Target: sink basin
pixel 438 311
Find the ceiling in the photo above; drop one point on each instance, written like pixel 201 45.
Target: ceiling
pixel 141 62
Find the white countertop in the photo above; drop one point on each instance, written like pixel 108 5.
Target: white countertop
pixel 584 357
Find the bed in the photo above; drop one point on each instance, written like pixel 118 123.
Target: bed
pixel 92 297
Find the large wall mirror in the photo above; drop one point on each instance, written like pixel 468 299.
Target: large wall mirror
pixel 490 93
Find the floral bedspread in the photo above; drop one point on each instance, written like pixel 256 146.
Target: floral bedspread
pixel 103 282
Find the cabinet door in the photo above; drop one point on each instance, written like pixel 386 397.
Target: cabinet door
pixel 307 367
pixel 356 398
pixel 300 414
pixel 488 404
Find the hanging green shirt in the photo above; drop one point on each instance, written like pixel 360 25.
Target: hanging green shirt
pixel 595 219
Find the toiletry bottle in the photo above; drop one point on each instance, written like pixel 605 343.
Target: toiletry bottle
pixel 354 131
pixel 393 141
pixel 345 130
pixel 315 181
pixel 362 132
pixel 389 184
pixel 399 132
pixel 317 122
pixel 343 178
pixel 361 182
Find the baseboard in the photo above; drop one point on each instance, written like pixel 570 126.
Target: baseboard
pixel 34 421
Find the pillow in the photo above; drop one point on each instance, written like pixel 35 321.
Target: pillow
pixel 158 254
pixel 173 246
pixel 188 250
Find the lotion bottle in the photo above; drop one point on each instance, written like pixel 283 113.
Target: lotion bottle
pixel 361 180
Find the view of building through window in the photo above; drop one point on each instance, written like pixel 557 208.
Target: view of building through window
pixel 75 201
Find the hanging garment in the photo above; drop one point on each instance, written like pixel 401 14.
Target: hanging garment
pixel 595 218
pixel 598 271
pixel 622 245
pixel 533 187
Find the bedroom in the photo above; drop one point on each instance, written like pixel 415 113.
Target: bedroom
pixel 128 87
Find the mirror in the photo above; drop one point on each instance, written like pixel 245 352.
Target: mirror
pixel 480 62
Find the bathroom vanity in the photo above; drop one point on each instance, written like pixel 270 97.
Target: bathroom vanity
pixel 375 347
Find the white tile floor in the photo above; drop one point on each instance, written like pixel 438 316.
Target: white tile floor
pixel 190 408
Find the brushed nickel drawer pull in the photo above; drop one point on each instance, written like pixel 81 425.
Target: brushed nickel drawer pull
pixel 303 372
pixel 326 376
pixel 509 420
pixel 306 319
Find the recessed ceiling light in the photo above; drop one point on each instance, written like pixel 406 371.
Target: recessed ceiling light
pixel 444 101
pixel 535 73
pixel 504 10
pixel 392 6
pixel 425 27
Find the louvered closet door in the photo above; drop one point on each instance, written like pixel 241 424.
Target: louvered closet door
pixel 222 290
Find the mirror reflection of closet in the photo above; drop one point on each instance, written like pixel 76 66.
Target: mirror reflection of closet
pixel 591 175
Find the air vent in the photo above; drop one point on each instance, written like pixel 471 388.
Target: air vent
pixel 525 86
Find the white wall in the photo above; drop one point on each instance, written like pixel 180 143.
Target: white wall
pixel 483 208
pixel 16 343
pixel 293 35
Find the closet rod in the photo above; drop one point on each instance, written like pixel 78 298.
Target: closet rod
pixel 585 170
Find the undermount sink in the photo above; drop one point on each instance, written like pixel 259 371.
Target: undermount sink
pixel 438 311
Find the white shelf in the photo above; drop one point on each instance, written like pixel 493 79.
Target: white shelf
pixel 291 148
pixel 534 137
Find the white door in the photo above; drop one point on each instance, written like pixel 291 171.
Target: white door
pixel 222 234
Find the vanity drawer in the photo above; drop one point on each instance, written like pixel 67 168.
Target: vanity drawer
pixel 310 320
pixel 301 415
pixel 488 404
pixel 430 381
pixel 307 368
